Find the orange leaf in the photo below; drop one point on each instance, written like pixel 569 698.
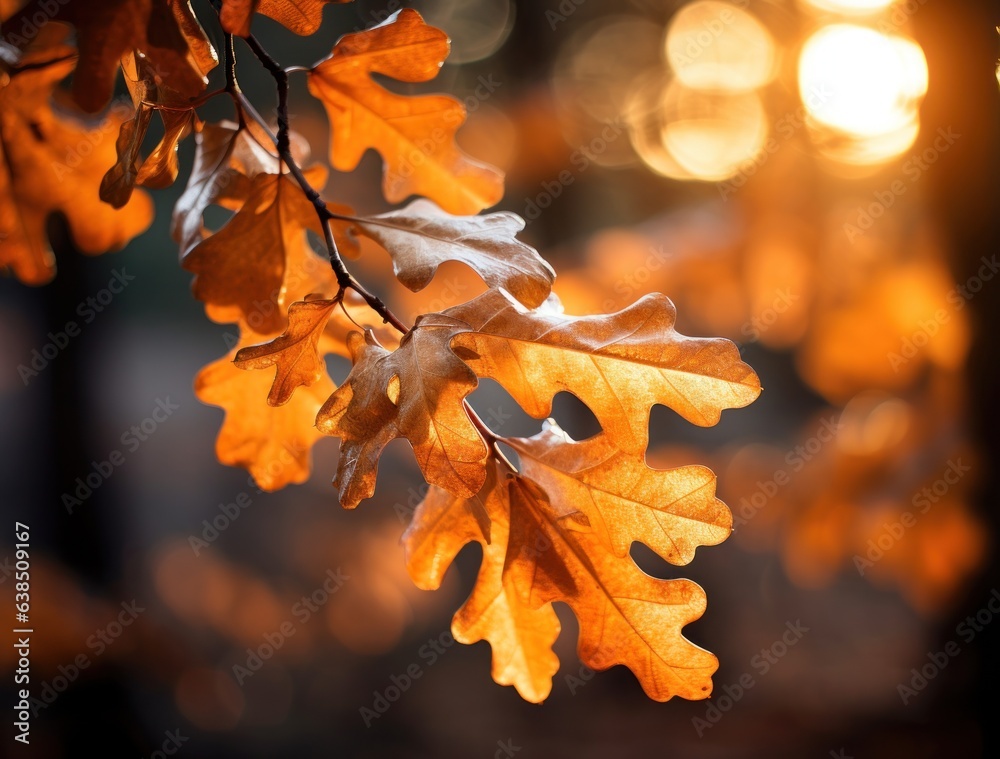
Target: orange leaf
pixel 619 364
pixel 301 16
pixel 415 135
pixel 521 637
pixel 672 512
pixel 241 271
pixel 626 617
pixel 273 444
pixel 50 163
pixel 420 238
pixel 295 352
pixel 416 392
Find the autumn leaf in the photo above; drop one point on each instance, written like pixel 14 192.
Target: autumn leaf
pixel 160 168
pixel 227 159
pixel 273 443
pixel 301 16
pixel 414 135
pixel 521 637
pixel 240 271
pixel 416 392
pixel 166 31
pixel 619 364
pixel 626 617
pixel 52 163
pixel 419 238
pixel 671 511
pixel 295 352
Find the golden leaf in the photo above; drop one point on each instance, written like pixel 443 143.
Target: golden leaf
pixel 619 364
pixel 420 238
pixel 49 163
pixel 415 135
pixel 416 392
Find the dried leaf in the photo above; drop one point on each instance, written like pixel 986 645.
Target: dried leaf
pixel 416 392
pixel 619 364
pixel 671 511
pixel 414 135
pixel 160 168
pixel 273 444
pixel 420 238
pixel 241 270
pixel 166 31
pixel 521 637
pixel 626 617
pixel 301 16
pixel 51 163
pixel 295 352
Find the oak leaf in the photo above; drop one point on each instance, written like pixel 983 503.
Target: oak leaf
pixel 521 637
pixel 626 616
pixel 273 444
pixel 301 16
pixel 242 271
pixel 295 352
pixel 49 163
pixel 619 364
pixel 419 238
pixel 414 135
pixel 416 392
pixel 159 169
pixel 671 511
pixel 167 32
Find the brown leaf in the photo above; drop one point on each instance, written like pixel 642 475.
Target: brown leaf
pixel 50 163
pixel 301 16
pixel 521 637
pixel 273 444
pixel 416 392
pixel 415 135
pixel 160 168
pixel 626 617
pixel 295 352
pixel 240 272
pixel 420 238
pixel 671 511
pixel 619 364
pixel 166 31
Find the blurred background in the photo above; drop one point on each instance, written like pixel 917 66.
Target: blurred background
pixel 816 180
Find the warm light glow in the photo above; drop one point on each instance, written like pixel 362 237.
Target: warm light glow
pixel 711 135
pixel 861 81
pixel 850 6
pixel 714 45
pixel 862 90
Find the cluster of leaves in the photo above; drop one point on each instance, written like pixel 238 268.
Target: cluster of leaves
pixel 558 526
